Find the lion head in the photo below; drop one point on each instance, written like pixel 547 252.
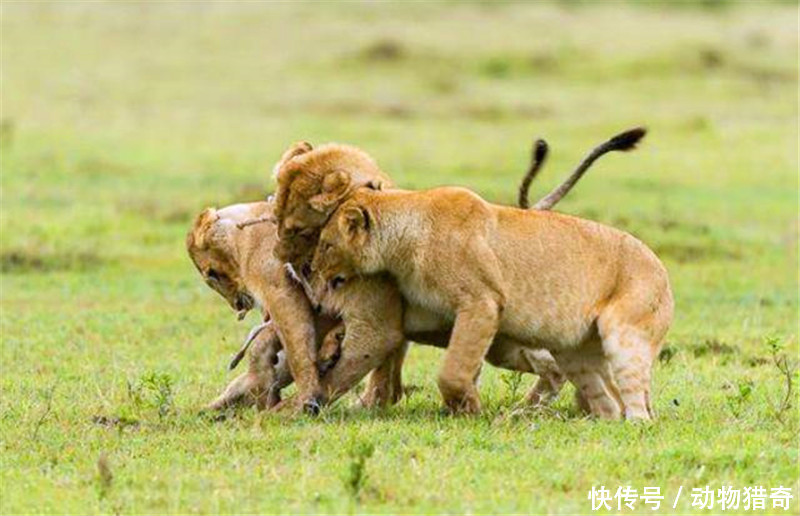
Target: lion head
pixel 312 183
pixel 211 245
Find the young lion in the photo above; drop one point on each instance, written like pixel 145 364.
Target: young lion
pixel 313 183
pixel 595 296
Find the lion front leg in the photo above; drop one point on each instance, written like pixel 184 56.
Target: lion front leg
pixel 475 327
pixel 292 316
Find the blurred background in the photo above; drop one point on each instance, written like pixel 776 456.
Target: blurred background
pixel 121 121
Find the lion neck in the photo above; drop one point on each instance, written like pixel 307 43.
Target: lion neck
pixel 395 233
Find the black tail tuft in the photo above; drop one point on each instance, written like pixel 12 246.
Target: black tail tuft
pixel 627 140
pixel 539 151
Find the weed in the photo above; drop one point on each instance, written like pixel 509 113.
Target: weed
pixel 513 381
pixel 356 474
pixel 787 370
pixel 152 390
pixel 739 399
pixel 104 476
pixel 48 405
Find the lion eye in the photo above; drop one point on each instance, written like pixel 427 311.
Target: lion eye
pixel 212 274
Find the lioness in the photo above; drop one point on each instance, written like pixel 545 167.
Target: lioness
pixel 235 257
pixel 596 297
pixel 311 185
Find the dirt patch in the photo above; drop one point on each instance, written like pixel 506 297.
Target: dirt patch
pixel 31 262
pixel 757 361
pixel 713 347
pixel 101 167
pixel 711 58
pixel 491 112
pixel 506 66
pixel 114 421
pixel 388 109
pixel 154 210
pixel 692 253
pixel 384 50
pixel 666 224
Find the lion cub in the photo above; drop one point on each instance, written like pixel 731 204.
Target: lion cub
pixel 595 296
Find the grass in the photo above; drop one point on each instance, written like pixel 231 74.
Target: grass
pixel 122 121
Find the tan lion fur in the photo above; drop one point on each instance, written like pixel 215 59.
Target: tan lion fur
pixel 596 297
pixel 312 183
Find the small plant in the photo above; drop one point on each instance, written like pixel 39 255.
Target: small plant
pixel 151 390
pixel 356 476
pixel 513 381
pixel 738 400
pixel 104 476
pixel 160 387
pixel 135 396
pixel 787 370
pixel 48 406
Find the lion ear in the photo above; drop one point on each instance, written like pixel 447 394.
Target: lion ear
pixel 202 227
pixel 334 188
pixel 294 150
pixel 355 221
pixel 375 184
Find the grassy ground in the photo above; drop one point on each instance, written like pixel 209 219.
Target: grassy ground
pixel 120 122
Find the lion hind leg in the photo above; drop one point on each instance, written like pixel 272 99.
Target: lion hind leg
pixel 588 370
pixel 630 364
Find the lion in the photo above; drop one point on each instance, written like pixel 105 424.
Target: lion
pixel 233 263
pixel 235 257
pixel 312 183
pixel 595 296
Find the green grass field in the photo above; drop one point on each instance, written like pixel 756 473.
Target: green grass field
pixel 121 122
